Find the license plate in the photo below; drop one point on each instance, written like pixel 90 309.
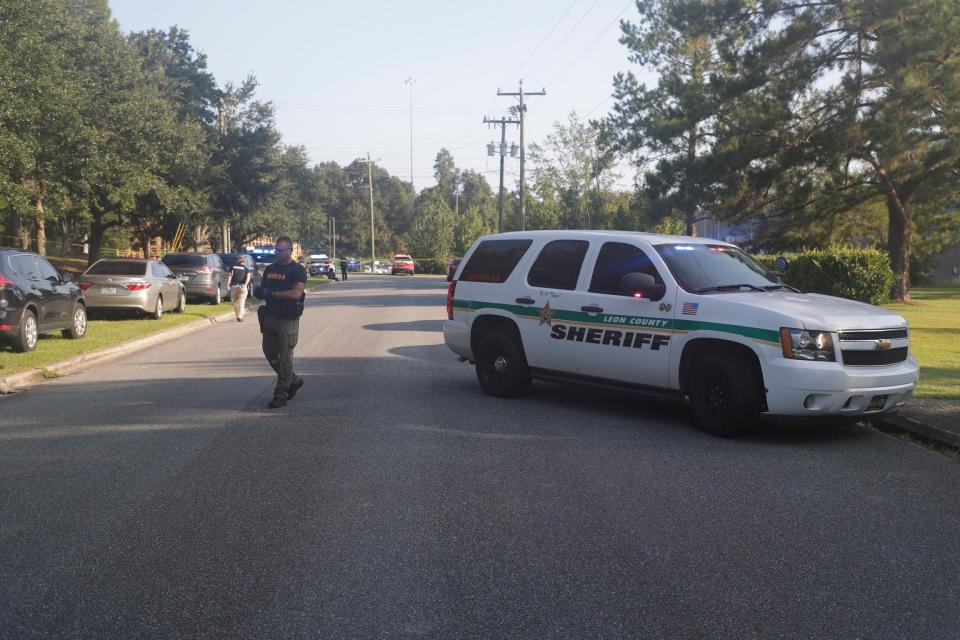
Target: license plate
pixel 108 290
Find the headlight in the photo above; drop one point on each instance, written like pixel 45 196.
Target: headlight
pixel 803 344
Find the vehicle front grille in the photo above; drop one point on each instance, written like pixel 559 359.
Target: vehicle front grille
pixel 867 358
pixel 873 334
pixel 865 347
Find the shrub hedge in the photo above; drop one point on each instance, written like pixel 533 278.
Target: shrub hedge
pixel 857 274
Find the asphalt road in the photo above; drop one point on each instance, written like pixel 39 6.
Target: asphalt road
pixel 157 497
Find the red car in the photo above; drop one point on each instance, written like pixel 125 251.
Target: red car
pixel 402 263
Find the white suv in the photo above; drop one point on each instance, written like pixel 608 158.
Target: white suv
pixel 691 317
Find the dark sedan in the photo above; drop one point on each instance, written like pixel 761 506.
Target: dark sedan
pixel 36 299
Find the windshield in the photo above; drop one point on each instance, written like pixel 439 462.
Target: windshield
pixel 118 268
pixel 703 267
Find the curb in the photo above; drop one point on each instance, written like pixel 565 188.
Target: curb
pixel 927 433
pixel 19 381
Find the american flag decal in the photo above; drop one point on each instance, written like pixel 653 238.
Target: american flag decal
pixel 690 308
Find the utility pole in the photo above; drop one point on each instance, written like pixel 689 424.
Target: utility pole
pixel 222 129
pixel 332 231
pixel 521 110
pixel 373 254
pixel 503 122
pixel 413 192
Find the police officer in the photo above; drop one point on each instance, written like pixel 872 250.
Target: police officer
pixel 283 290
pixel 343 268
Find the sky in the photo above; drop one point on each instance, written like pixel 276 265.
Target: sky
pixel 336 71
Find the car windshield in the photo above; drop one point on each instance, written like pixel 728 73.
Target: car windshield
pixel 184 260
pixel 118 268
pixel 402 258
pixel 702 268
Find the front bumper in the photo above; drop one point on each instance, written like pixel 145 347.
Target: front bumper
pixel 797 388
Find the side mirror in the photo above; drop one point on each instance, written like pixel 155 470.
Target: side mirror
pixel 781 264
pixel 640 285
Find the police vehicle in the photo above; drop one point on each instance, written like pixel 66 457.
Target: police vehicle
pixel 692 317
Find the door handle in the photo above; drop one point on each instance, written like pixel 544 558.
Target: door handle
pixel 591 308
pixel 526 300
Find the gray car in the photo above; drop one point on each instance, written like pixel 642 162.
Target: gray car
pixel 203 274
pixel 132 284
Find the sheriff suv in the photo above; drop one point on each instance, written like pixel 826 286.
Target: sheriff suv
pixel 691 317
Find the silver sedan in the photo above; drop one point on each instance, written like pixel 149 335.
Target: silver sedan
pixel 133 284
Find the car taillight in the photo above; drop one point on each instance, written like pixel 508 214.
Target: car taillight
pixel 204 269
pixel 4 281
pixel 450 291
pixel 84 285
pixel 137 286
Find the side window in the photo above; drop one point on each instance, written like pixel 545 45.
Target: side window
pixel 494 260
pixel 47 272
pixel 617 259
pixel 558 265
pixel 26 266
pixel 156 271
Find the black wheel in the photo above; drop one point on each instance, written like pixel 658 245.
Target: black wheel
pixel 26 339
pixel 725 394
pixel 216 297
pixel 78 323
pixel 182 303
pixel 157 309
pixel 501 366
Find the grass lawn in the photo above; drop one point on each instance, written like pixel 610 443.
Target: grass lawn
pixel 935 339
pixel 107 332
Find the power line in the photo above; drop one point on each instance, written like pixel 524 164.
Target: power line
pixel 537 48
pixel 562 40
pixel 590 46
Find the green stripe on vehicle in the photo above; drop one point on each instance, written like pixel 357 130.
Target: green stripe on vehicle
pixel 635 322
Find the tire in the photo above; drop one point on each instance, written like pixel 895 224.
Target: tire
pixel 157 309
pixel 724 392
pixel 215 300
pixel 181 303
pixel 26 338
pixel 501 366
pixel 78 327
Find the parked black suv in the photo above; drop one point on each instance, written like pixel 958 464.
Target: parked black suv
pixel 203 274
pixel 36 299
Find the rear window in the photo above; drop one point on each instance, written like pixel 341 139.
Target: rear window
pixel 118 268
pixel 184 260
pixel 230 259
pixel 494 260
pixel 402 258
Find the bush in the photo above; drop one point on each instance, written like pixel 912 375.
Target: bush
pixel 857 274
pixel 432 266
